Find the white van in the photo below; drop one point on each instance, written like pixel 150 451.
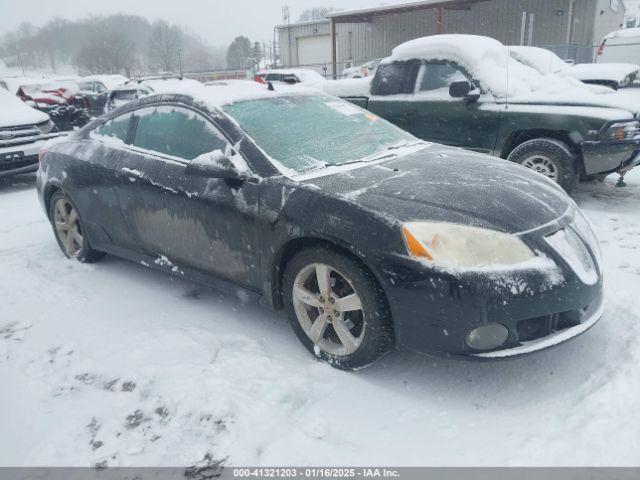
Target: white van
pixel 621 46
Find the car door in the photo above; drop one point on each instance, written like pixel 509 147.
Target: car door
pixel 427 110
pixel 96 177
pixel 205 224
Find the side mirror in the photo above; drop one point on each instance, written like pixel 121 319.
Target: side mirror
pixel 460 89
pixel 214 165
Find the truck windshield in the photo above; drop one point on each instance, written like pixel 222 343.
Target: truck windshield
pixel 307 132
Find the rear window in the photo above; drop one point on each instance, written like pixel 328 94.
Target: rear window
pixel 395 78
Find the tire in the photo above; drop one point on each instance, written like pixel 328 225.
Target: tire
pixel 69 230
pixel 370 326
pixel 552 158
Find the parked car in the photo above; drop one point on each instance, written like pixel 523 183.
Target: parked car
pixel 612 75
pixel 13 83
pixel 60 99
pixel 95 90
pixel 134 89
pixel 291 76
pixel 620 46
pixel 361 71
pixel 466 91
pixel 271 191
pixel 23 131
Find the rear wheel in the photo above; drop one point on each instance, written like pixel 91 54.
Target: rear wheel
pixel 549 157
pixel 337 309
pixel 69 231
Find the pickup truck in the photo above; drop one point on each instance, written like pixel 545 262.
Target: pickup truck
pixel 467 91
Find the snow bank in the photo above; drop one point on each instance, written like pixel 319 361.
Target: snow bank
pixel 14 112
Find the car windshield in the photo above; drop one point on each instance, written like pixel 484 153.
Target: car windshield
pixel 307 132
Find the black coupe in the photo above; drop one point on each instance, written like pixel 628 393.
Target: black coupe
pixel 367 236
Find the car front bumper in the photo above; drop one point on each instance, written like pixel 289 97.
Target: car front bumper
pixel 609 157
pixel 436 310
pixel 28 156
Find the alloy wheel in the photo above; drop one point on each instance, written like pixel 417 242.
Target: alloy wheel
pixel 68 229
pixel 543 165
pixel 329 310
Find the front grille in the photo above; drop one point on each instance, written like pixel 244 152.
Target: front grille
pixel 24 162
pixel 13 136
pixel 539 327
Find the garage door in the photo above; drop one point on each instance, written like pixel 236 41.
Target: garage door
pixel 315 51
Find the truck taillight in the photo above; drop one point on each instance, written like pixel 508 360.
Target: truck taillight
pixel 41 153
pixel 600 50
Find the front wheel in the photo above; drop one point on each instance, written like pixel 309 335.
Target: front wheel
pixel 69 230
pixel 549 157
pixel 337 309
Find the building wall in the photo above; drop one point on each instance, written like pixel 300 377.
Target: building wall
pixel 606 20
pixel 500 19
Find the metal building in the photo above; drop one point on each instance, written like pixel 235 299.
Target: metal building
pixel 572 28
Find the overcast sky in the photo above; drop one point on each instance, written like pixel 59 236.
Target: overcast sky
pixel 217 21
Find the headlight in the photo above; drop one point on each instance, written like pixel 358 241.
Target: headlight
pixel 461 246
pixel 46 127
pixel 622 131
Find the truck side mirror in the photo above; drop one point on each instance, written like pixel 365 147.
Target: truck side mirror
pixel 460 89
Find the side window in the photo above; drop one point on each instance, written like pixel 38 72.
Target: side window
pixel 99 88
pixel 395 78
pixel 115 130
pixel 435 78
pixel 176 131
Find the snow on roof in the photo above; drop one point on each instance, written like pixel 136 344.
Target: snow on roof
pixel 218 94
pixel 306 75
pixel 350 87
pixel 616 72
pixel 14 83
pixel 109 81
pixel 14 112
pixel 545 62
pixel 159 85
pixel 392 7
pixel 625 33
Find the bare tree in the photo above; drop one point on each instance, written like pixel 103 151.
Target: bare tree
pixel 165 46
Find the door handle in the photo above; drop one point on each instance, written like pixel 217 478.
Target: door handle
pixel 411 113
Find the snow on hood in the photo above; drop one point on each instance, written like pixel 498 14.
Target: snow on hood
pixel 489 62
pixel 14 112
pixel 615 72
pixel 354 87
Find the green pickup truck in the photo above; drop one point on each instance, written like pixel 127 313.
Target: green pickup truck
pixel 467 91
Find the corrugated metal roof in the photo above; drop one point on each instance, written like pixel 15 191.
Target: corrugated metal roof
pixel 401 7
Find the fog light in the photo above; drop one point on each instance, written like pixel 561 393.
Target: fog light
pixel 487 337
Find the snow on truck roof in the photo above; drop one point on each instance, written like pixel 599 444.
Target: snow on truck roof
pixel 489 62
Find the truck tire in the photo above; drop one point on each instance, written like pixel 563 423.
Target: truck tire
pixel 549 157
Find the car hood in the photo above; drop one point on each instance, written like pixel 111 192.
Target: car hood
pixel 14 112
pixel 447 184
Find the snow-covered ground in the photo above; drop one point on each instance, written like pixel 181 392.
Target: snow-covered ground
pixel 114 363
